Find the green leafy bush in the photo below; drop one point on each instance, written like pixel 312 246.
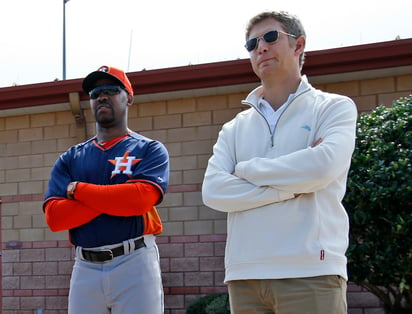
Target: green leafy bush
pixel 378 200
pixel 215 303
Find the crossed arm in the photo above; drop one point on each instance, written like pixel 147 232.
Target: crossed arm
pixel 229 190
pixel 231 185
pixel 91 200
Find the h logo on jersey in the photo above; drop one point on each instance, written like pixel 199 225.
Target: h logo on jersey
pixel 124 164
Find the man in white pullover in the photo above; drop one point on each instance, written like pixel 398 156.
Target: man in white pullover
pixel 279 170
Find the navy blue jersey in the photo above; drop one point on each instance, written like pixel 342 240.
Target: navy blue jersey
pixel 133 159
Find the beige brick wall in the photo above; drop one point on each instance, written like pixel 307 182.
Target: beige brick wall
pixel 30 144
pixel 191 127
pixel 372 92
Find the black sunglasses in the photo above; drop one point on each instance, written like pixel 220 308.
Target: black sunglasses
pixel 270 37
pixel 106 90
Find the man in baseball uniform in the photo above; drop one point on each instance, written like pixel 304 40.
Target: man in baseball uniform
pixel 104 191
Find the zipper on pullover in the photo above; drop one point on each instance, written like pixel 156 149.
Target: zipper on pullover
pixel 245 102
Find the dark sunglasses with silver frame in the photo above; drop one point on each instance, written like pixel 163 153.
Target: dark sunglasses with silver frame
pixel 106 90
pixel 270 37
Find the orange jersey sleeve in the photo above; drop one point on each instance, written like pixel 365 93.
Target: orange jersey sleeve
pixel 128 199
pixel 64 214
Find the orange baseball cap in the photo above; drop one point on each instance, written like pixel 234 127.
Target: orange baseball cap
pixel 108 73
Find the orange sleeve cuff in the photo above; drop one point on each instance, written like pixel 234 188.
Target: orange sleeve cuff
pixel 128 199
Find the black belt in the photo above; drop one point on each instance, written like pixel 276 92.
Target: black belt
pixel 107 255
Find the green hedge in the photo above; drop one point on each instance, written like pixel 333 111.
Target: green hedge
pixel 215 303
pixel 379 204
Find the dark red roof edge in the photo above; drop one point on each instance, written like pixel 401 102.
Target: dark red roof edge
pixel 321 62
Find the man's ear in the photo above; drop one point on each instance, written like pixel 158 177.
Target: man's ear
pixel 300 44
pixel 129 99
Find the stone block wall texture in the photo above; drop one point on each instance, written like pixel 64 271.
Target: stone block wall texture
pixel 36 263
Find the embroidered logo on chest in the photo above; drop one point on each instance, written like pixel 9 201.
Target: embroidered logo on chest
pixel 124 164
